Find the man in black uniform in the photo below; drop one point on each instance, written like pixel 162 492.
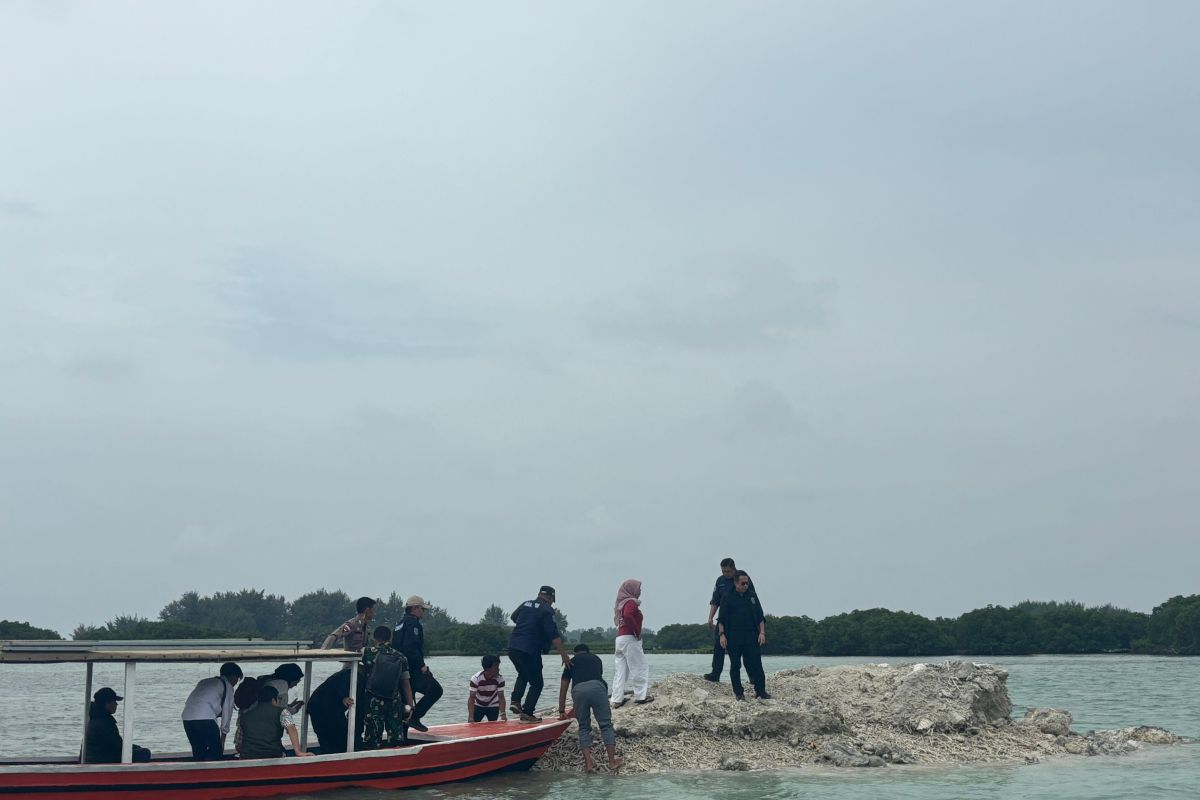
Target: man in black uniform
pixel 743 631
pixel 409 639
pixel 723 586
pixel 535 631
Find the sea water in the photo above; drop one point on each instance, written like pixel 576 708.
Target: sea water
pixel 41 710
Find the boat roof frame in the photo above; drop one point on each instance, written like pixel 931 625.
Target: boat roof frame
pixel 163 651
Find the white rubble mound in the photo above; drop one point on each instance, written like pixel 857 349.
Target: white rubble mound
pixel 844 716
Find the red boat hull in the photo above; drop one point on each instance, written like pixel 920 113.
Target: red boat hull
pixel 462 751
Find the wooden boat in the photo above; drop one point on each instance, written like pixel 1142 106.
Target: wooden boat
pixel 445 753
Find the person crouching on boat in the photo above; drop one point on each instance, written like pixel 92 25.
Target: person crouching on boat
pixel 281 680
pixel 385 673
pixel 589 696
pixel 485 692
pixel 263 727
pixel 103 739
pixel 327 710
pixel 211 700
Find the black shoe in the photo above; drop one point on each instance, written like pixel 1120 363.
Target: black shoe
pixel 708 676
pixel 739 697
pixel 417 725
pixel 762 695
pixel 515 708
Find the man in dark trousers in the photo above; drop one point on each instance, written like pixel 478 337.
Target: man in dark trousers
pixel 535 631
pixel 211 700
pixel 589 696
pixel 409 639
pixel 723 586
pixel 743 631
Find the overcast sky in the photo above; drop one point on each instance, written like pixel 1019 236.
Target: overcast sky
pixel 898 304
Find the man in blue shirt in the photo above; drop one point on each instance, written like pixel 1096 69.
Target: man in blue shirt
pixel 535 631
pixel 409 639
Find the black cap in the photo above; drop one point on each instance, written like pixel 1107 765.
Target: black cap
pixel 547 590
pixel 106 695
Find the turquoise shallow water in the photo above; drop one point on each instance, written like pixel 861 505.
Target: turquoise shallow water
pixel 1101 692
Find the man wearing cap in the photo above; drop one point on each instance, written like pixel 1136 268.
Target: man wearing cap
pixel 211 700
pixel 409 639
pixel 534 632
pixel 103 739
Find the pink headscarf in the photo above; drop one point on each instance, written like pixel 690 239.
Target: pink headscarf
pixel 630 592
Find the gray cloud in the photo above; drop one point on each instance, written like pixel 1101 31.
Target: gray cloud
pixel 739 303
pixel 311 312
pixel 18 209
pixel 896 313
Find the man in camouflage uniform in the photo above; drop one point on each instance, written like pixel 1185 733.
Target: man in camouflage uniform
pixel 385 674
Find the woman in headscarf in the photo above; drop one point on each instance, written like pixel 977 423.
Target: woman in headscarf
pixel 631 659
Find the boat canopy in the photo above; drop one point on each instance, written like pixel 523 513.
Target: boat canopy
pixel 174 651
pixel 163 651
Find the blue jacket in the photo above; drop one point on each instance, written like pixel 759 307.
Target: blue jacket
pixel 535 629
pixel 409 639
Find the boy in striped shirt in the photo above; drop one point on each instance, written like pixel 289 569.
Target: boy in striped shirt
pixel 485 700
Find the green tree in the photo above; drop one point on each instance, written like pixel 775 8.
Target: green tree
pixel 789 635
pixel 1174 626
pixel 438 618
pixel 249 612
pixel 313 615
pixel 390 611
pixel 494 615
pixel 135 627
pixel 677 636
pixel 480 639
pixel 560 622
pixel 23 630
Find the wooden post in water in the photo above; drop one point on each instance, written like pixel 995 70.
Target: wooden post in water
pixel 127 732
pixel 87 711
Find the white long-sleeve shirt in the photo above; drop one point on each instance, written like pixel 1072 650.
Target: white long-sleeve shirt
pixel 211 699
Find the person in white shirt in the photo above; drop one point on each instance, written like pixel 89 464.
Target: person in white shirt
pixel 211 700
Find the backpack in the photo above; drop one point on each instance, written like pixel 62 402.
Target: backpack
pixel 247 692
pixel 384 682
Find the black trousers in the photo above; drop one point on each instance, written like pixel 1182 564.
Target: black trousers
pixel 718 663
pixel 205 737
pixel 329 724
pixel 744 648
pixel 529 674
pixel 430 690
pixel 490 714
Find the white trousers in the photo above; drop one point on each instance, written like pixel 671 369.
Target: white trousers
pixel 631 666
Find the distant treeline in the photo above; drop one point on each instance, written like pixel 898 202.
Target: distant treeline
pixel 1029 627
pixel 23 630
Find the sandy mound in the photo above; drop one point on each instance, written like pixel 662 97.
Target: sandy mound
pixel 872 715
